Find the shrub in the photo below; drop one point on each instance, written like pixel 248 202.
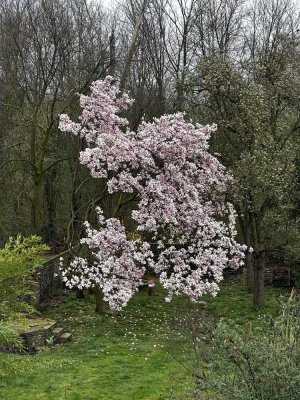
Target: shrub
pixel 261 363
pixel 18 260
pixel 9 338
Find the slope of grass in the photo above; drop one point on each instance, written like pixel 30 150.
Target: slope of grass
pixel 119 356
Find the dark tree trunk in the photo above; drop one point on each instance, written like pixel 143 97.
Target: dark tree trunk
pixel 161 96
pixel 49 234
pixel 259 256
pixel 259 285
pixel 112 54
pixel 36 205
pixel 99 301
pixel 249 271
pixel 245 222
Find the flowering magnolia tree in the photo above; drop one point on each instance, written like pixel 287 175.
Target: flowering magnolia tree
pixel 181 205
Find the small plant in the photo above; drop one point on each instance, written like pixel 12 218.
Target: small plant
pixel 50 341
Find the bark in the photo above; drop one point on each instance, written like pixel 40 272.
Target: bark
pixel 249 258
pixel 73 227
pixel 249 272
pixel 245 224
pixel 258 259
pixel 132 47
pixel 50 196
pixel 179 103
pixel 259 285
pixel 36 205
pixel 99 301
pixel 161 96
pixel 112 54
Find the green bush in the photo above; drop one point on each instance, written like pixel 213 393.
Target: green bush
pixel 18 260
pixel 231 363
pixel 260 364
pixel 9 338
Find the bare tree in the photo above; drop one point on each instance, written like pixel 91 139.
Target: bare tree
pixel 50 51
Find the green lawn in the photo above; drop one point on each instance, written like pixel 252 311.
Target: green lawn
pixel 120 356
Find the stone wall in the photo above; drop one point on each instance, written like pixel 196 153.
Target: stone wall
pixel 36 336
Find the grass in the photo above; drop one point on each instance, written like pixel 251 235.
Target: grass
pixel 120 356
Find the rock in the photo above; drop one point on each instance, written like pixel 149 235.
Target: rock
pixel 50 326
pixel 57 332
pixel 65 337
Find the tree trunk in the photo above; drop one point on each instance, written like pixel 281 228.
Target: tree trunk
pixel 50 191
pixel 161 96
pixel 112 54
pixel 259 285
pixel 245 222
pixel 99 301
pixel 259 256
pixel 249 271
pixel 249 256
pixel 132 46
pixel 36 205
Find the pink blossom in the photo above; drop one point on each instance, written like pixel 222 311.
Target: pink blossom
pixel 180 189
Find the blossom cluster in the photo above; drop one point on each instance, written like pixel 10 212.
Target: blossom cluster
pixel 117 264
pixel 181 190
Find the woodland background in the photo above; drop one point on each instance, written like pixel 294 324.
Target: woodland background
pixel 231 62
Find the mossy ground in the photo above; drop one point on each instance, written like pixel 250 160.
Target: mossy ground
pixel 120 356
